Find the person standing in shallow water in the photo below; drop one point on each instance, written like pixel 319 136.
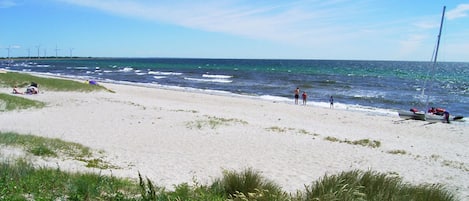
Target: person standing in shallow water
pixel 304 96
pixel 297 95
pixel 331 100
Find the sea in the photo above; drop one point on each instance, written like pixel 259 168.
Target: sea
pixel 379 87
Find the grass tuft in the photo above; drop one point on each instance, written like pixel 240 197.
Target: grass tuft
pixel 10 102
pixel 214 122
pixel 370 185
pixel 362 142
pixel 248 185
pixel 398 151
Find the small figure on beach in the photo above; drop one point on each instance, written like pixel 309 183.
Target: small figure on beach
pixel 16 91
pixel 446 115
pixel 91 82
pixel 297 95
pixel 304 96
pixel 32 89
pixel 331 100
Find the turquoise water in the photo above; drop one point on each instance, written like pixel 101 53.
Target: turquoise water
pixel 374 85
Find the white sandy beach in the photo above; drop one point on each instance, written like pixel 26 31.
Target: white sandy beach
pixel 155 132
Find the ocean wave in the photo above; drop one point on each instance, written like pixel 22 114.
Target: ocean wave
pixel 217 76
pixel 126 69
pixel 159 77
pixel 163 73
pixel 209 80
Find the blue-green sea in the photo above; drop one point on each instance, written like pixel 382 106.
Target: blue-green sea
pixel 379 86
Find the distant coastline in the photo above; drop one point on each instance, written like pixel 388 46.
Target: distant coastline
pixel 273 59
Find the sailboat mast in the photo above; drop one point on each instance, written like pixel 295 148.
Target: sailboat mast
pixel 436 51
pixel 439 35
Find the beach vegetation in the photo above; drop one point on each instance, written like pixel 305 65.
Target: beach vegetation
pixel 190 111
pixel 213 122
pixel 21 80
pixel 22 181
pixel 371 185
pixel 49 147
pixel 277 129
pixel 397 151
pixel 305 132
pixel 248 185
pixel 362 142
pixel 10 103
pixel 332 139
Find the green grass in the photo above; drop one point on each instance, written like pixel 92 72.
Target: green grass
pixel 22 80
pixel 398 151
pixel 362 142
pixel 10 102
pixel 213 122
pixel 22 181
pixel 41 146
pixel 47 147
pixel 370 185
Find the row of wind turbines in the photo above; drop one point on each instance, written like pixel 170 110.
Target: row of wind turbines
pixel 10 48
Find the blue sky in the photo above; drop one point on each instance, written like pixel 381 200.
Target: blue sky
pixel 263 29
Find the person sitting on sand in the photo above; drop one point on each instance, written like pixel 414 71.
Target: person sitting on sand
pixel 16 91
pixel 32 90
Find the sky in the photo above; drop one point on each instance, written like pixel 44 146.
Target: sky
pixel 245 29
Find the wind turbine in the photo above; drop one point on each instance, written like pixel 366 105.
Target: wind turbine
pixel 71 52
pixel 29 53
pixel 38 47
pixel 8 48
pixel 56 51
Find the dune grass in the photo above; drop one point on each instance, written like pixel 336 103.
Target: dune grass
pixel 370 185
pixel 362 142
pixel 9 103
pixel 48 147
pixel 213 122
pixel 11 79
pixel 21 180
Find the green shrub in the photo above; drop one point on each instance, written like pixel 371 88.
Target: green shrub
pixel 250 185
pixel 370 185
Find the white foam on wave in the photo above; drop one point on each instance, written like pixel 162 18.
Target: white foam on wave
pixel 159 77
pixel 208 80
pixel 217 76
pixel 163 73
pixel 126 69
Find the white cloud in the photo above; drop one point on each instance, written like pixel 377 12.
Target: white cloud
pixel 7 3
pixel 292 22
pixel 460 11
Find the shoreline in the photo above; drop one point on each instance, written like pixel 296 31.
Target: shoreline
pixel 165 135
